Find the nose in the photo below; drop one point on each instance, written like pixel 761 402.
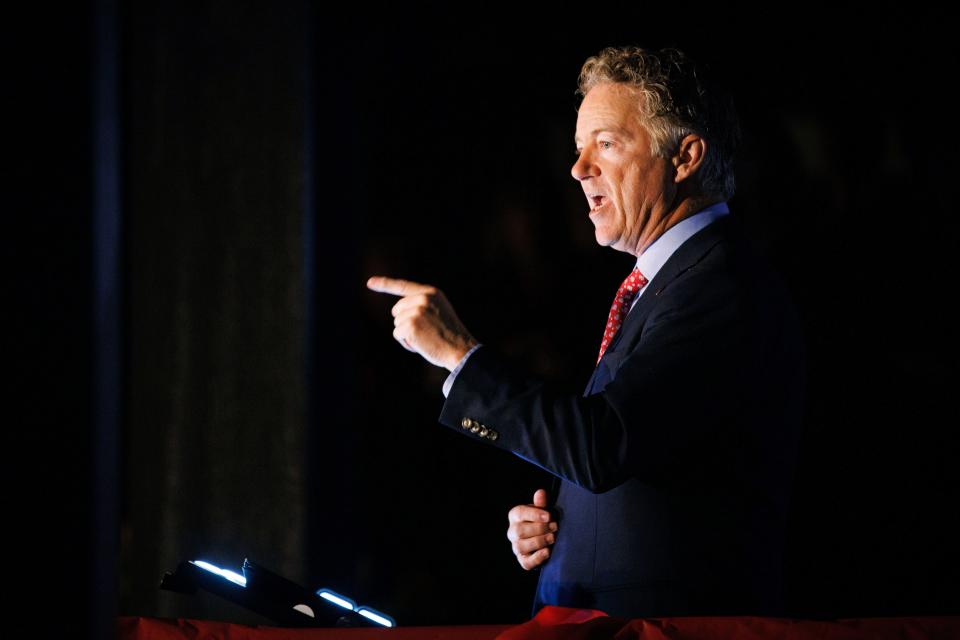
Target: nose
pixel 584 168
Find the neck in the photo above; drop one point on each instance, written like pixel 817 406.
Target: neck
pixel 686 208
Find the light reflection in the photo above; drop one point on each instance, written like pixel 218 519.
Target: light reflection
pixel 232 576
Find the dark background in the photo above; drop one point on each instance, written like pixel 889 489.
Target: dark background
pixel 198 192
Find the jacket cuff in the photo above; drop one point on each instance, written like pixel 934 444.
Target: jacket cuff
pixel 468 405
pixel 453 374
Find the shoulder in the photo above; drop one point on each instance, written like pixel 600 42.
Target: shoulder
pixel 718 270
pixel 722 254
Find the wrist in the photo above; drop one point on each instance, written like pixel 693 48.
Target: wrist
pixel 459 353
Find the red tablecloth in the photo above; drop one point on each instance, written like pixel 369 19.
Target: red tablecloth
pixel 559 623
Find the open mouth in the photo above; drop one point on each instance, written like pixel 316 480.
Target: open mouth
pixel 596 202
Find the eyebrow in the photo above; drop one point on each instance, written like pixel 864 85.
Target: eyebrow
pixel 618 130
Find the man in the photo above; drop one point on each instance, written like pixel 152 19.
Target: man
pixel 674 467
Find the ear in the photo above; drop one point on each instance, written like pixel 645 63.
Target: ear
pixel 689 156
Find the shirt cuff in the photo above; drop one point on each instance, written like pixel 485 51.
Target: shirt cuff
pixel 448 383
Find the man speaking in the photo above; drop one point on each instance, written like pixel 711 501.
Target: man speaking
pixel 675 466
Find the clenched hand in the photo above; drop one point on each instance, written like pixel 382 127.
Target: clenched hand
pixel 425 322
pixel 531 531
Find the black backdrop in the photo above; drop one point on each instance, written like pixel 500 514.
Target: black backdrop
pixel 273 156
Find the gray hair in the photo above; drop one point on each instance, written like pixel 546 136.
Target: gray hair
pixel 678 99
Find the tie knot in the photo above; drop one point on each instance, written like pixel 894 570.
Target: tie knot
pixel 632 283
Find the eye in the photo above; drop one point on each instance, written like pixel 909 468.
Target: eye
pixel 605 144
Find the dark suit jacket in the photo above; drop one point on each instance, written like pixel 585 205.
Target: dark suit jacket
pixel 675 466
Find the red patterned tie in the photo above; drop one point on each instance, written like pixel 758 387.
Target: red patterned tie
pixel 621 306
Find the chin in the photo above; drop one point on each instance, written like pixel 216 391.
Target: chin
pixel 604 237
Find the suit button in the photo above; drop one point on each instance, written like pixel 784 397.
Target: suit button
pixel 466 423
pixel 484 431
pixel 474 428
pixel 493 435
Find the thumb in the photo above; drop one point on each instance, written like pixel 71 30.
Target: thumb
pixel 540 498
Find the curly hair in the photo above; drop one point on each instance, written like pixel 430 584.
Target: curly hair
pixel 679 98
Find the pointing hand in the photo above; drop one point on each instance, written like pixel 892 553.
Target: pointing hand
pixel 425 322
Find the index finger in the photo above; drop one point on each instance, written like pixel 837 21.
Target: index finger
pixel 527 513
pixel 396 286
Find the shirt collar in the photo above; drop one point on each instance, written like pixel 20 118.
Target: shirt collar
pixel 656 255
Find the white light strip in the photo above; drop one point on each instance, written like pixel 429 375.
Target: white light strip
pixel 233 577
pixel 336 599
pixel 376 617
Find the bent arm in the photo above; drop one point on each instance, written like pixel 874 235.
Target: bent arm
pixel 673 386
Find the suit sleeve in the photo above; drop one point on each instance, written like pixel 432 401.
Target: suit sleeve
pixel 672 387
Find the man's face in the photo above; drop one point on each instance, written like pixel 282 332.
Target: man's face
pixel 629 190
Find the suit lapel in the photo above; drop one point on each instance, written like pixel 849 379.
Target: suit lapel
pixel 686 256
